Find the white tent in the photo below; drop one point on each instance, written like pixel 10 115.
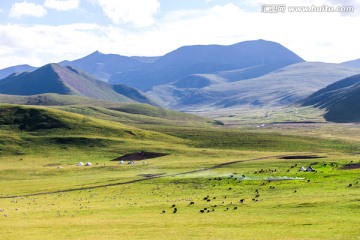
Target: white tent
pixel 310 169
pixel 80 164
pixel 302 169
pixel 88 164
pixel 122 162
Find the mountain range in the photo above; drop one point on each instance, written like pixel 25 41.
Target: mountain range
pixel 201 78
pixel 53 78
pixel 246 59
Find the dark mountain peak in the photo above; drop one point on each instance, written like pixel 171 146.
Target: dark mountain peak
pixel 258 41
pixel 97 52
pixel 23 66
pixel 50 69
pixel 104 57
pixel 94 55
pixel 54 78
pixel 51 65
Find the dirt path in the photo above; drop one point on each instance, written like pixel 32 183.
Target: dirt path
pixel 142 179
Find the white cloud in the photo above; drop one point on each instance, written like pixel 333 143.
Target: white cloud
pixel 325 37
pixel 62 5
pixel 46 44
pixel 314 36
pixel 21 9
pixel 138 13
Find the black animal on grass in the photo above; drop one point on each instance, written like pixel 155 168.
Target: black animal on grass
pixel 191 203
pixel 242 200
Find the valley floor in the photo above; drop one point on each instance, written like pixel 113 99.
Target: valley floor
pixel 277 205
pixel 215 183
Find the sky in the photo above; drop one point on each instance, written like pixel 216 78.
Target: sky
pixel 38 32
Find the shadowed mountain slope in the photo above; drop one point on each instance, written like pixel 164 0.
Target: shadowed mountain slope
pixel 279 88
pixel 340 99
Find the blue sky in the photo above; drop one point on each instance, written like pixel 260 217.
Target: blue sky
pixel 37 32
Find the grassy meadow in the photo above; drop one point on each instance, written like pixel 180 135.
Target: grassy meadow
pixel 216 182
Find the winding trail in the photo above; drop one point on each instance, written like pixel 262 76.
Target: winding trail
pixel 142 179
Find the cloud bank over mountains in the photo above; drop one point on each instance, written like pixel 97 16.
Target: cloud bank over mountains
pixel 42 31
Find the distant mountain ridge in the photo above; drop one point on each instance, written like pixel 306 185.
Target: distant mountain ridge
pixel 340 99
pixel 207 59
pixel 16 69
pixel 53 78
pixel 103 66
pixel 353 63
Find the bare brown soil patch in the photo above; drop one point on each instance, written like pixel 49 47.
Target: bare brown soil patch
pixel 295 157
pixel 149 175
pixel 139 156
pixel 351 166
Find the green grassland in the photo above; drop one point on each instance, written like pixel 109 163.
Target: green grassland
pixel 209 168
